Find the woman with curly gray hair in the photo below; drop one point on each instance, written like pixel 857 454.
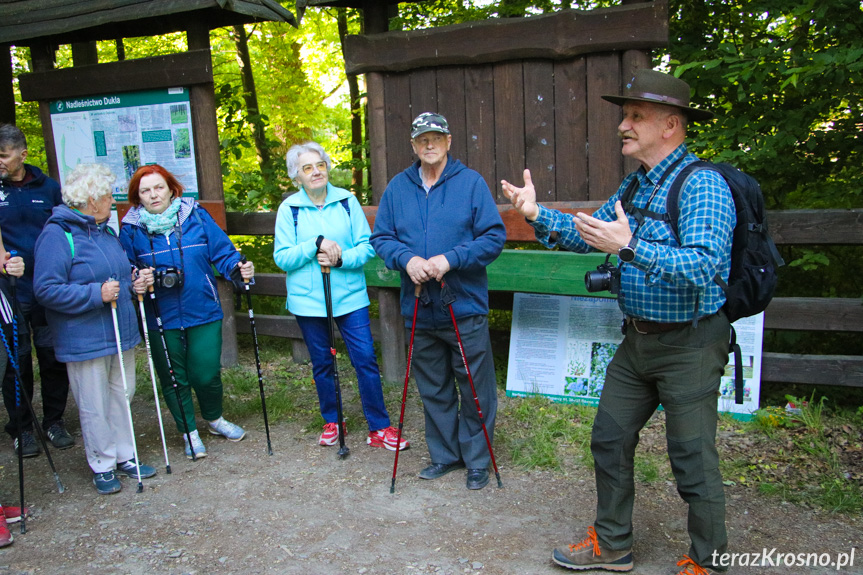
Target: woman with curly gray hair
pixel 81 269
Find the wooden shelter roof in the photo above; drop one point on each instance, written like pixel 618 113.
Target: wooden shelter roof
pixel 25 22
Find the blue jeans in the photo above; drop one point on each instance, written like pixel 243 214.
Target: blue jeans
pixel 356 331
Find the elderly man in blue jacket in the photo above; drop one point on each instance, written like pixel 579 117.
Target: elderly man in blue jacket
pixel 438 223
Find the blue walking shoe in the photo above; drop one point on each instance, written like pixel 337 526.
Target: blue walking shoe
pixel 228 430
pixel 200 450
pixel 129 469
pixel 106 483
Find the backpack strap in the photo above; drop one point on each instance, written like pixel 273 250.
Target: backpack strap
pixel 295 210
pixel 640 213
pixel 71 242
pixel 672 202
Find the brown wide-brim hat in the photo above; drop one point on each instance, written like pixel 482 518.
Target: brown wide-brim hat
pixel 652 86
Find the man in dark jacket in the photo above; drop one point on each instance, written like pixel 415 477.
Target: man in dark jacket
pixel 438 223
pixel 27 197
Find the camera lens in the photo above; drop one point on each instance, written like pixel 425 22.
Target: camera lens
pixel 169 280
pixel 597 280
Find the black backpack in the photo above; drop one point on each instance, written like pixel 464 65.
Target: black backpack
pixel 754 257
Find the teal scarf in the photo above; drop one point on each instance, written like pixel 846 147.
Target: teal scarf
pixel 160 223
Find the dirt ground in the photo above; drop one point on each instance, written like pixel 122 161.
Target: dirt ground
pixel 304 511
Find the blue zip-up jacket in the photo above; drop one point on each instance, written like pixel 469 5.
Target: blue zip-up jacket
pixel 457 218
pixel 24 209
pixel 69 287
pixel 202 243
pixel 296 253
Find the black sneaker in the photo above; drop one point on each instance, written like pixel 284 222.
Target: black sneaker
pixel 29 447
pixel 59 437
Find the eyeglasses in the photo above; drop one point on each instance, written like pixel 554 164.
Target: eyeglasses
pixel 309 168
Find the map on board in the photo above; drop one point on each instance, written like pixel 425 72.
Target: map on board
pixel 125 131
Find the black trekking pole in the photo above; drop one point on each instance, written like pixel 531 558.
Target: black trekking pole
pixel 174 383
pixel 13 361
pixel 448 303
pixel 257 358
pixel 417 290
pixel 344 451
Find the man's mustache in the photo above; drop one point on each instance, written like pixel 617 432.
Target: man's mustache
pixel 622 135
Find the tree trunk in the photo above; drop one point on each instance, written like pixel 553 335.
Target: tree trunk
pixel 250 97
pixel 356 113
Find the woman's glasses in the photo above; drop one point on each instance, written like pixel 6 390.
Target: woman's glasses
pixel 309 168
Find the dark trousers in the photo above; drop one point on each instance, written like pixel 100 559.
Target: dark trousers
pixel 681 370
pixel 52 373
pixel 453 429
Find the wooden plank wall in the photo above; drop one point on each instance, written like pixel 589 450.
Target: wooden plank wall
pixel 541 114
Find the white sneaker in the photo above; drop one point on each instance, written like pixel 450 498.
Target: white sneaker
pixel 228 430
pixel 200 450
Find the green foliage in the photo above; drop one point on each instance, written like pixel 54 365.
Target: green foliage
pixel 784 77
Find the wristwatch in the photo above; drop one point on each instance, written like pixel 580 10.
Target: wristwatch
pixel 627 253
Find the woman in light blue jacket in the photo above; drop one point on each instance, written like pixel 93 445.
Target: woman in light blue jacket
pixel 322 225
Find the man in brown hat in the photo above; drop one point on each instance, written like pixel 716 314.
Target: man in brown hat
pixel 675 344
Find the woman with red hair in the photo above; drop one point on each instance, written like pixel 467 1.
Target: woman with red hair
pixel 179 239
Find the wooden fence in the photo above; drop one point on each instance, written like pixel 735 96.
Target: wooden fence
pixel 562 273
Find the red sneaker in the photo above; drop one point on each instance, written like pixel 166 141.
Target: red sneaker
pixel 387 437
pixel 330 436
pixel 5 537
pixel 13 514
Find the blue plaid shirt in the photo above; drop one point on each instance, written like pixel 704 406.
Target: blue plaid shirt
pixel 666 279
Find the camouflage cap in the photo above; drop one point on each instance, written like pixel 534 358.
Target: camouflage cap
pixel 429 122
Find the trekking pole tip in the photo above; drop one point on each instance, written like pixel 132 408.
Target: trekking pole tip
pixel 140 487
pixel 499 482
pixel 168 469
pixel 60 488
pixel 344 452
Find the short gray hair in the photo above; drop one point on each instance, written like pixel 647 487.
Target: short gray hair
pixel 293 156
pixel 12 137
pixel 87 181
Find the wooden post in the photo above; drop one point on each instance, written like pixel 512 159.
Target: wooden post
pixel 392 335
pixel 202 99
pixel 42 55
pixel 7 94
pixel 84 54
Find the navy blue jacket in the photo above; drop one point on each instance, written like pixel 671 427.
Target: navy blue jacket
pixel 24 209
pixel 203 243
pixel 70 287
pixel 457 218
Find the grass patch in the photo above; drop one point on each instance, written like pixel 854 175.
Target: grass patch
pixel 539 434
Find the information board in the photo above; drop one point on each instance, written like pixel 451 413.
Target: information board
pixel 125 131
pixel 560 347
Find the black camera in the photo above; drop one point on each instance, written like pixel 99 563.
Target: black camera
pixel 606 277
pixel 169 278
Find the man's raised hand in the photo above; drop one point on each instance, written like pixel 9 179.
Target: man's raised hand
pixel 523 199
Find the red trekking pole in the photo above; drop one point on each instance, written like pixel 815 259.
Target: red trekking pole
pixel 417 290
pixel 470 380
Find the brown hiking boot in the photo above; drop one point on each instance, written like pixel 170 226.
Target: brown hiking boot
pixel 588 554
pixel 690 567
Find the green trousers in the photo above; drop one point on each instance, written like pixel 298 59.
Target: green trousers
pixel 196 358
pixel 679 369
